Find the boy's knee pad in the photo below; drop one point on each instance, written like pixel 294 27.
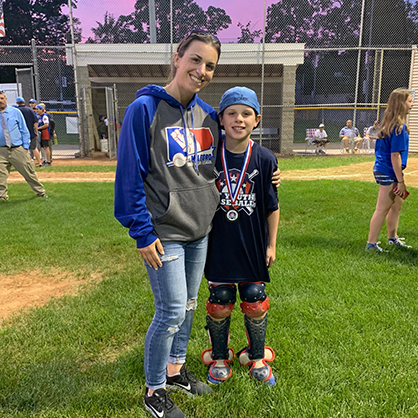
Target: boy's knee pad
pixel 255 302
pixel 221 300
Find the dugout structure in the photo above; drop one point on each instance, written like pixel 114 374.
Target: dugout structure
pixel 269 69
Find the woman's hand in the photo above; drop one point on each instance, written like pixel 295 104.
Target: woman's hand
pixel 151 253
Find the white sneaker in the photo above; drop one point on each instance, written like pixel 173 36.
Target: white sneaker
pixel 398 242
pixel 374 246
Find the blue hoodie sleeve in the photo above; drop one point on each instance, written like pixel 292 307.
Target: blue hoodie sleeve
pixel 132 169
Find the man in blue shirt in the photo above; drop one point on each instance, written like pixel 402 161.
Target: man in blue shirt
pixel 347 134
pixel 14 145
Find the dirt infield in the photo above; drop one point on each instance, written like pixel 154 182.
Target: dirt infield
pixel 33 288
pixel 360 171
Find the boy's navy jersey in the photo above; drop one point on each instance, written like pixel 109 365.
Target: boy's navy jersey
pixel 238 240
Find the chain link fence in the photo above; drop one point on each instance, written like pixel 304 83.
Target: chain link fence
pixel 330 89
pixel 43 74
pixel 353 59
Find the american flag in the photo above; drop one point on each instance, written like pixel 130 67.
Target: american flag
pixel 2 29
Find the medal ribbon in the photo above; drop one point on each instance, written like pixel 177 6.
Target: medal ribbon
pixel 234 195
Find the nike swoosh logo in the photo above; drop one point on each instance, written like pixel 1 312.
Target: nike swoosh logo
pixel 188 387
pixel 158 413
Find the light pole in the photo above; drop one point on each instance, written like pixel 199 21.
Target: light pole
pixel 56 19
pixel 368 54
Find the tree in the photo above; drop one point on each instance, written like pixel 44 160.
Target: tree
pixel 27 19
pixel 248 37
pixel 113 30
pixel 289 21
pixel 217 19
pixel 187 14
pixel 317 23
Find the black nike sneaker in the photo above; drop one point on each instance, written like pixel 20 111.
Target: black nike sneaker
pixel 161 405
pixel 188 383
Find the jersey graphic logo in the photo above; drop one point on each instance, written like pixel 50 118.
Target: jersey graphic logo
pixel 179 153
pixel 246 200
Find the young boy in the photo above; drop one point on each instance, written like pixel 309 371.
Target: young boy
pixel 242 243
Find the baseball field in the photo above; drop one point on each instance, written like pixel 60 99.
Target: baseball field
pixel 75 303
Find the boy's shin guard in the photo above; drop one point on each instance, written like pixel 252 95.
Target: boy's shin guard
pixel 256 335
pixel 219 335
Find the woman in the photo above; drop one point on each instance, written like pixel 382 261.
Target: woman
pixel 391 152
pixel 165 194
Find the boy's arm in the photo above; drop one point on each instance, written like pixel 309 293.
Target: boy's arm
pixel 272 225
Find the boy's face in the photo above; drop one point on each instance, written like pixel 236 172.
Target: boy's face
pixel 239 121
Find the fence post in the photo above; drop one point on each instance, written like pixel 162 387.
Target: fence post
pixel 36 70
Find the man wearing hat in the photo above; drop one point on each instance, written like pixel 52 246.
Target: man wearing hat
pixel 14 143
pixel 32 104
pixel 32 125
pixel 320 139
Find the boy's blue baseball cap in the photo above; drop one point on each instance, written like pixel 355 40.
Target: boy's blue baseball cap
pixel 32 101
pixel 239 95
pixel 20 99
pixel 39 107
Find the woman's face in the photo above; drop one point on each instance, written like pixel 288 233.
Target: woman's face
pixel 195 68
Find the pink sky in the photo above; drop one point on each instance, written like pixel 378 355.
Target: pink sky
pixel 89 12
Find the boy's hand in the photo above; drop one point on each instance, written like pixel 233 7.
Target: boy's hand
pixel 276 178
pixel 270 256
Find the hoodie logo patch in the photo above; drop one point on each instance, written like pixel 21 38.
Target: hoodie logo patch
pixel 181 151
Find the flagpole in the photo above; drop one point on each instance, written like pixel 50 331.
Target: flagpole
pixel 2 27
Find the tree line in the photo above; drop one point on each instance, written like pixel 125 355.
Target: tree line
pixel 317 23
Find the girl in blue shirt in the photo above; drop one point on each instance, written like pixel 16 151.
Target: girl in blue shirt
pixel 391 152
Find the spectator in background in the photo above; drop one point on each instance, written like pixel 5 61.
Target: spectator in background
pixel 372 134
pixel 349 133
pixel 52 133
pixel 391 152
pixel 102 127
pixel 43 127
pixel 32 104
pixel 320 139
pixel 14 143
pixel 32 124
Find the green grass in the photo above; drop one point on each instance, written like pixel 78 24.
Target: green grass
pixel 79 168
pixel 294 163
pixel 313 162
pixel 342 321
pixel 308 162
